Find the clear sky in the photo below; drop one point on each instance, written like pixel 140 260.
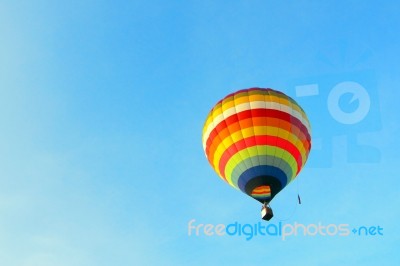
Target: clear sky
pixel 102 105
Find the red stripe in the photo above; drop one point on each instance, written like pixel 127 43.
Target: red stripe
pixel 259 140
pixel 260 112
pixel 261 192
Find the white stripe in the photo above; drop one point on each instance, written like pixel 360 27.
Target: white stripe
pixel 257 105
pixel 242 107
pixel 246 106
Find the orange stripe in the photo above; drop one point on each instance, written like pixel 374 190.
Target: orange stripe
pixel 259 121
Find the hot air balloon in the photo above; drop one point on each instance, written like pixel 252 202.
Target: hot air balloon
pixel 257 140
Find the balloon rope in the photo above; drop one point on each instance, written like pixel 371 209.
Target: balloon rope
pixel 298 193
pixel 295 206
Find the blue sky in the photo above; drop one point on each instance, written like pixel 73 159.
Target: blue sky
pixel 102 104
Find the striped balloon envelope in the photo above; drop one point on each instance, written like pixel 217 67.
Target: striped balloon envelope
pixel 257 140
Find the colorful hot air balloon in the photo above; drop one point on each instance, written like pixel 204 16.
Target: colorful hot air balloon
pixel 257 140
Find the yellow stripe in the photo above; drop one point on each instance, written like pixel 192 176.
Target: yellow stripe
pixel 242 155
pixel 268 97
pixel 216 116
pixel 255 131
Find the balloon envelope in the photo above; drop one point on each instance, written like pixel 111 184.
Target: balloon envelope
pixel 257 140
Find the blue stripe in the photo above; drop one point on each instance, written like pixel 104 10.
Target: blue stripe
pixel 262 199
pixel 262 170
pixel 267 160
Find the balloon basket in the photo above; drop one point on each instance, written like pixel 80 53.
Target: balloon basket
pixel 266 213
